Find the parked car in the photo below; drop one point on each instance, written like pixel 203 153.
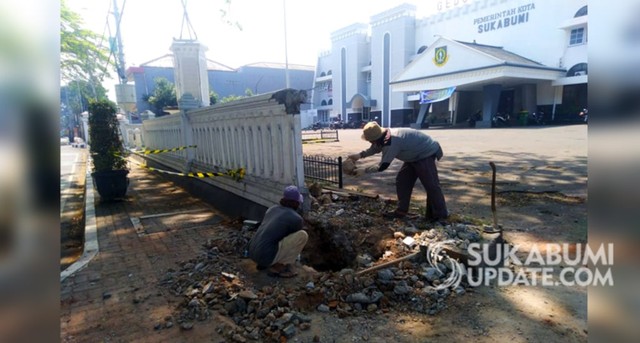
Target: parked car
pixel 78 143
pixel 64 140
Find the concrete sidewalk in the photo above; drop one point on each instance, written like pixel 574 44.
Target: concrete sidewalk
pixel 116 297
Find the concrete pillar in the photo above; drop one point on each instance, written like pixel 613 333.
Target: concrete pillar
pixel 453 107
pixel 490 101
pixel 190 70
pixel 84 118
pixel 186 103
pixel 529 98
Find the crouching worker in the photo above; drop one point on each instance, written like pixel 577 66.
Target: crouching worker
pixel 280 238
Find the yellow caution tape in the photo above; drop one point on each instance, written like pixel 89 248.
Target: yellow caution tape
pixel 313 141
pixel 160 151
pixel 236 174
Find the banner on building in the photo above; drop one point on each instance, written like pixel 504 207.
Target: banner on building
pixel 435 95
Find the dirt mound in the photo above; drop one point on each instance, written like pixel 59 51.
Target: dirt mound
pixel 346 233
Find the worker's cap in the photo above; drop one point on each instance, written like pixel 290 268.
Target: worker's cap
pixel 371 132
pixel 292 193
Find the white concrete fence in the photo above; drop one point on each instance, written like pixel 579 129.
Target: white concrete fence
pixel 261 134
pixel 132 135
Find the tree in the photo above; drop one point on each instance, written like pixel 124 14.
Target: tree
pixel 230 98
pixel 213 98
pixel 75 96
pixel 74 99
pixel 164 94
pixel 247 93
pixel 84 62
pixel 82 54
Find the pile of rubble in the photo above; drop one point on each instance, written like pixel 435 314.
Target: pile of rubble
pixel 212 283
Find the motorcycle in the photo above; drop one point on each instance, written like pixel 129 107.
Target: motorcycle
pixel 536 119
pixel 499 120
pixel 474 118
pixel 584 114
pixel 338 124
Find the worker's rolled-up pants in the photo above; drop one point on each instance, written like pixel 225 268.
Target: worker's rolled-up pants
pixel 290 247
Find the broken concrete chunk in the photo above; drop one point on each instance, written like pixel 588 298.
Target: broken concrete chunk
pixel 246 294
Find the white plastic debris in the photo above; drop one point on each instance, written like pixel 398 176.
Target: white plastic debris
pixel 409 241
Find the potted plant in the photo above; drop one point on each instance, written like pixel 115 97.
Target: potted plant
pixel 107 151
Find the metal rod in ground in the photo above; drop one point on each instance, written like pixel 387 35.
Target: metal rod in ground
pixel 387 264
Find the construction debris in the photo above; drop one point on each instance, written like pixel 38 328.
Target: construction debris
pixel 346 234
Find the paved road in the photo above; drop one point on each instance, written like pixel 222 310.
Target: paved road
pixel 72 171
pixel 530 158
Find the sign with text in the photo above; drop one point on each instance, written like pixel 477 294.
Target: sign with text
pixel 444 5
pixel 435 95
pixel 503 19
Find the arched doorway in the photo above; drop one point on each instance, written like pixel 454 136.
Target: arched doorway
pixel 360 109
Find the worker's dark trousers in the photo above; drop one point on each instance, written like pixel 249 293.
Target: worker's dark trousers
pixel 427 172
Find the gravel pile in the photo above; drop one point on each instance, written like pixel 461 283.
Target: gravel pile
pixel 212 283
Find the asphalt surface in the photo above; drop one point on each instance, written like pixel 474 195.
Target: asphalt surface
pixel 72 163
pixel 543 158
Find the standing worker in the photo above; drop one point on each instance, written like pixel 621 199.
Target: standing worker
pixel 419 153
pixel 280 237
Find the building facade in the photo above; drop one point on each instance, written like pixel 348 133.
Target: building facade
pixel 487 56
pixel 225 81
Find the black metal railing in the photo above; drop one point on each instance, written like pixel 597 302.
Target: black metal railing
pixel 321 136
pixel 324 169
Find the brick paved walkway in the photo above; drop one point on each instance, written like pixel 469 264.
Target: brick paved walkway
pixel 116 297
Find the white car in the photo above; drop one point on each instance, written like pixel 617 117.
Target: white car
pixel 64 140
pixel 78 143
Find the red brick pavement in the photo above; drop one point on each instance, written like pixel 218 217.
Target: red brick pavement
pixel 97 302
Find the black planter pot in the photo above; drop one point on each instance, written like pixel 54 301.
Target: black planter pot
pixel 111 184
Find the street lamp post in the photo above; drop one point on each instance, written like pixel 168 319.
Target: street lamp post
pixel 286 57
pixel 257 83
pixel 121 66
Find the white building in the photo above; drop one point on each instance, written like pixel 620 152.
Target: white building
pixel 496 56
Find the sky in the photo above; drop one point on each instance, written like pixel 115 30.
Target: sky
pixel 149 26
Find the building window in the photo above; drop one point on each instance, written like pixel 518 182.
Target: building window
pixel 330 102
pixel 329 72
pixel 366 113
pixel 581 12
pixel 422 49
pixel 577 36
pixel 323 103
pixel 322 74
pixel 578 69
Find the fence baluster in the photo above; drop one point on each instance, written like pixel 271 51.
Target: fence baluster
pixel 320 168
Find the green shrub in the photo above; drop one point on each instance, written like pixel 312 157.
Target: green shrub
pixel 107 149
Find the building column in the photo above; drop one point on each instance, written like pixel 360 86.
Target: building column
pixel 490 101
pixel 453 107
pixel 190 70
pixel 529 98
pixel 84 118
pixel 186 103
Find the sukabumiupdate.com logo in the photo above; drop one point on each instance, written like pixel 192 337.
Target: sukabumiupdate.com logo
pixel 553 264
